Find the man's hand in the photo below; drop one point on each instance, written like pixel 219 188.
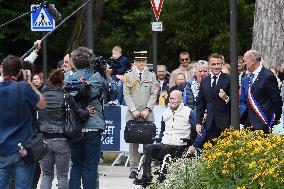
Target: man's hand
pixel 120 77
pixel 92 111
pixel 191 150
pixel 37 45
pixel 109 71
pixel 136 114
pixel 277 122
pixel 198 129
pixel 145 113
pixel 223 95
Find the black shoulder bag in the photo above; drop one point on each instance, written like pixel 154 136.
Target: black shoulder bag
pixel 36 146
pixel 73 124
pixel 140 132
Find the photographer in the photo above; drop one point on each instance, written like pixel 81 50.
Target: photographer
pixel 16 125
pixel 85 154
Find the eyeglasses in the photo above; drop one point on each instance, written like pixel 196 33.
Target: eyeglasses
pixel 184 59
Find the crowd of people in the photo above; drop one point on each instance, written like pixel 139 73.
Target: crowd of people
pixel 197 95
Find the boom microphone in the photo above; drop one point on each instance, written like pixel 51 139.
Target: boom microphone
pixel 52 11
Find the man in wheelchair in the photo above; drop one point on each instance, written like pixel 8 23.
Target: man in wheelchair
pixel 179 124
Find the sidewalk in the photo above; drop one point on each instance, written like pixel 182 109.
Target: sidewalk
pixel 115 177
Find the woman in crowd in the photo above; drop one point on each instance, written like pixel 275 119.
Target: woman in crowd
pixel 52 121
pixel 192 87
pixel 37 82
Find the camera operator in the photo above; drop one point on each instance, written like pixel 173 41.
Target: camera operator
pixel 16 129
pixel 85 154
pixel 119 65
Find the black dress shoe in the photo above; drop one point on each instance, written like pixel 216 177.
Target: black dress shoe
pixel 133 175
pixel 144 181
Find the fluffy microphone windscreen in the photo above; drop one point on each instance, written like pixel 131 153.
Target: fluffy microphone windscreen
pixel 53 12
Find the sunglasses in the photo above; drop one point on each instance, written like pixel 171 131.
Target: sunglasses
pixel 184 59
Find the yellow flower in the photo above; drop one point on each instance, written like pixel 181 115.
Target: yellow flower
pixel 252 165
pixel 242 187
pixel 207 145
pixel 261 184
pixel 256 176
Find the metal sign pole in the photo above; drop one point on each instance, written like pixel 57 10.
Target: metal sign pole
pixel 155 49
pixel 235 117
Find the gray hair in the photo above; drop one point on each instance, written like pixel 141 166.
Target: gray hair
pixel 254 54
pixel 82 57
pixel 161 66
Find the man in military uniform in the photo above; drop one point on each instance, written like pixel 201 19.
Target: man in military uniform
pixel 140 91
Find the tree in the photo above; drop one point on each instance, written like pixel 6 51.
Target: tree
pixel 268 31
pixel 78 35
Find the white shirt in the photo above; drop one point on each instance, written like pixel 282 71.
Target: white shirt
pixel 137 71
pixel 161 84
pixel 256 72
pixel 212 79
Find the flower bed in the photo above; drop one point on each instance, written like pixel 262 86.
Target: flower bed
pixel 239 160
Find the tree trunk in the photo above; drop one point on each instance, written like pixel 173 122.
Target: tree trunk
pixel 268 31
pixel 78 35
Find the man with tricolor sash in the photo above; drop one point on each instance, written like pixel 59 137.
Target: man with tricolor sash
pixel 260 100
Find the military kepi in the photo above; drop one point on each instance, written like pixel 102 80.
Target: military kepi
pixel 140 54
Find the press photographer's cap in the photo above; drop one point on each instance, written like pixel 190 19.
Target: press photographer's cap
pixel 140 54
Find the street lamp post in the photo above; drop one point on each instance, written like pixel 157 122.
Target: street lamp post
pixel 235 117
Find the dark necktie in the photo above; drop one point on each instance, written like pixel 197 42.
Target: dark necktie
pixel 214 84
pixel 140 76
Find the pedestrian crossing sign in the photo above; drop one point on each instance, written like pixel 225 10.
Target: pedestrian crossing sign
pixel 41 20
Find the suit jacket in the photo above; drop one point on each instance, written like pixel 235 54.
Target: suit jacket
pixel 217 109
pixel 140 94
pixel 266 93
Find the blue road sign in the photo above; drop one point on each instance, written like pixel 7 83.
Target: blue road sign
pixel 41 20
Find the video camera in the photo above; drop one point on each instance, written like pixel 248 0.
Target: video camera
pixel 100 64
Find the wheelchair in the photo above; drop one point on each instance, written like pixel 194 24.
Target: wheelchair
pixel 159 166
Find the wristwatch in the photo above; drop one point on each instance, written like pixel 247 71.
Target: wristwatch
pixel 148 109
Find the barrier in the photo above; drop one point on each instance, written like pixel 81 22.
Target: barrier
pixel 115 121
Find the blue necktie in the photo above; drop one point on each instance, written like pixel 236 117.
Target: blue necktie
pixel 140 76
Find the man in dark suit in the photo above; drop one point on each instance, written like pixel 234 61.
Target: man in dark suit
pixel 260 100
pixel 214 96
pixel 163 80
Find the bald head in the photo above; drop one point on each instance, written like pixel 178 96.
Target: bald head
pixel 175 99
pixel 253 54
pixel 252 60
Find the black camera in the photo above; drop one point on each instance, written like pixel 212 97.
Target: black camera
pixel 100 64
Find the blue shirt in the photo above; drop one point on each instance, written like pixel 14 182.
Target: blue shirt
pixel 12 129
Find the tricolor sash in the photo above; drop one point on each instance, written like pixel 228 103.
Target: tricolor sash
pixel 256 108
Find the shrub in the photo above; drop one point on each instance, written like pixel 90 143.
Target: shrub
pixel 239 160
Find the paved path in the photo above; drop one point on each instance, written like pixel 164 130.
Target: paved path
pixel 115 177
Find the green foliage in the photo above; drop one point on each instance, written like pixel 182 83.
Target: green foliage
pixel 198 26
pixel 240 160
